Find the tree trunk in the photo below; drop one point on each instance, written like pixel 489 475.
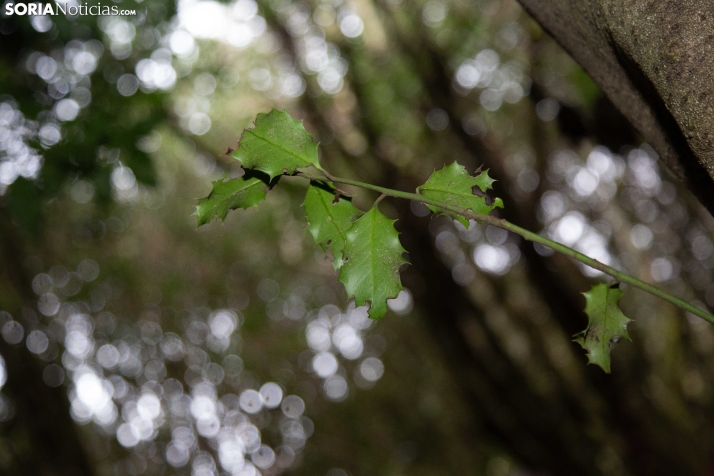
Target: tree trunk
pixel 41 438
pixel 654 59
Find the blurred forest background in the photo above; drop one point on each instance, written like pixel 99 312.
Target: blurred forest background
pixel 135 344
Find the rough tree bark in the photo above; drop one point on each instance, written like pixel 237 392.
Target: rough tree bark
pixel 654 59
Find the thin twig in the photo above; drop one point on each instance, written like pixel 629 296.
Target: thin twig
pixel 379 199
pixel 526 234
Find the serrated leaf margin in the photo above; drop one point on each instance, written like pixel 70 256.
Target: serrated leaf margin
pixel 307 154
pixel 250 181
pixel 598 343
pixel 377 297
pixel 456 197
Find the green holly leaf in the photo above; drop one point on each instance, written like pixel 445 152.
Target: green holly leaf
pixel 372 258
pixel 243 192
pixel 454 186
pixel 607 325
pixel 278 144
pixel 329 218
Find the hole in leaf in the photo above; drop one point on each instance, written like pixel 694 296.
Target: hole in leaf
pixel 477 191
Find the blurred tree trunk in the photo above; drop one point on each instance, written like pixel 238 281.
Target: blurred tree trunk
pixel 654 59
pixel 41 438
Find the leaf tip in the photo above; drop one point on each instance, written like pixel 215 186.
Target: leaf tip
pixel 376 312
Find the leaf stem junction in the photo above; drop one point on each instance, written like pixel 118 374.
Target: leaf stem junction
pixel 522 232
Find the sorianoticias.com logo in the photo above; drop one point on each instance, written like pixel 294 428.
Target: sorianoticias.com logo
pixel 67 9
